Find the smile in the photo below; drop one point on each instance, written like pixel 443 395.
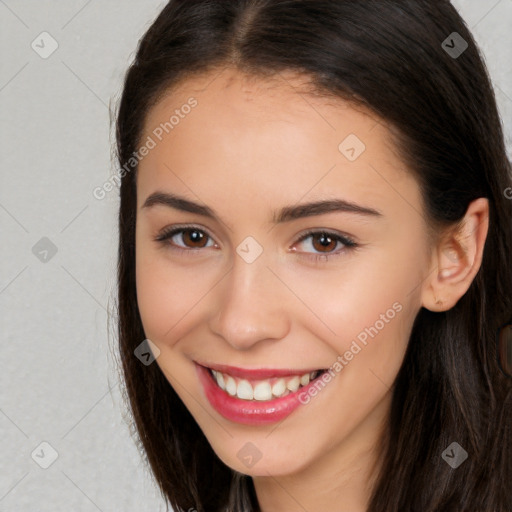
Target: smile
pixel 255 397
pixel 262 390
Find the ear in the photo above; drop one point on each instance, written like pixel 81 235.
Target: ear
pixel 457 258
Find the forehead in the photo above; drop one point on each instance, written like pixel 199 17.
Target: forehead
pixel 276 136
pixel 286 96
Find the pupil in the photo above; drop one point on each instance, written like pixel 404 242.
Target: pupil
pixel 325 239
pixel 195 236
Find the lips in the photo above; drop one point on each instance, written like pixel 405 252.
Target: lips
pixel 250 411
pixel 259 373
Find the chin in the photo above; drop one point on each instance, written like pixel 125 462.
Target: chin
pixel 246 458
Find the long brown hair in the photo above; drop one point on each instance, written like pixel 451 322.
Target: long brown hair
pixel 392 57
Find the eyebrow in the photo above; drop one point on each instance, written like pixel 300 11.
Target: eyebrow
pixel 285 214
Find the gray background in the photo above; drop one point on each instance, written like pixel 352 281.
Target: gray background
pixel 59 382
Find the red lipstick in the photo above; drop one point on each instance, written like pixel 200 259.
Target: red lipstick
pixel 250 412
pixel 260 373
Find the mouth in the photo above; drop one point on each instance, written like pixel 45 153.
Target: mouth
pixel 262 390
pixel 256 397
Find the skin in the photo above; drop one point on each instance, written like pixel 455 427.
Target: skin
pixel 252 146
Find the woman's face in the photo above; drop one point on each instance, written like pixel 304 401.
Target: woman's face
pixel 244 285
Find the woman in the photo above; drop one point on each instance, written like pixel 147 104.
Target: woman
pixel 314 258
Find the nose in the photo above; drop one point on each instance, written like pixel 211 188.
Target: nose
pixel 252 306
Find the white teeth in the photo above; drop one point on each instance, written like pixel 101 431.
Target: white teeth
pixel 263 390
pixel 304 380
pixel 293 384
pixel 220 381
pixel 279 388
pixel 231 386
pixel 244 390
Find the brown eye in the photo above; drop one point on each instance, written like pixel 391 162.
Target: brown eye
pixel 322 242
pixel 188 240
pixel 195 237
pixel 325 242
pixel 184 238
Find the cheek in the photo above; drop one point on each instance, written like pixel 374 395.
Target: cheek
pixel 371 336
pixel 156 293
pixel 365 312
pixel 168 296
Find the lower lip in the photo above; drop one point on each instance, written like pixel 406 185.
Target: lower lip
pixel 247 411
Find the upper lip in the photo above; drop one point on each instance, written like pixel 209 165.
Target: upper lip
pixel 256 373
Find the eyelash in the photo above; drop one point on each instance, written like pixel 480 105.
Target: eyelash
pixel 349 243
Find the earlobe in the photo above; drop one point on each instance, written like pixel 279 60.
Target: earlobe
pixel 457 259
